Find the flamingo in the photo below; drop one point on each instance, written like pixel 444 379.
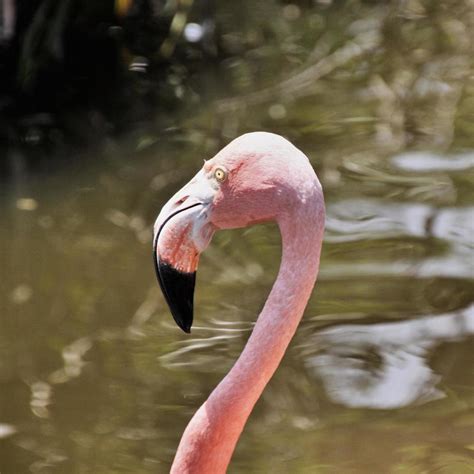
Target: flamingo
pixel 258 177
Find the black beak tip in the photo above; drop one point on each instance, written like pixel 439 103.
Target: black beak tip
pixel 184 323
pixel 186 329
pixel 178 290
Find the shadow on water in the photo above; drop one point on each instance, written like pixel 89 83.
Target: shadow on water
pixel 94 375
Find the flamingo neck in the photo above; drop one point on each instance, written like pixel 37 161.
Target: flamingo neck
pixel 210 438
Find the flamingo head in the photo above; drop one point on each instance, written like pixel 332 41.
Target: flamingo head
pixel 256 178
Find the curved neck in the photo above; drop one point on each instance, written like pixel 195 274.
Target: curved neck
pixel 210 438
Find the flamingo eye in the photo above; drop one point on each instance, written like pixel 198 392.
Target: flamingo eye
pixel 220 174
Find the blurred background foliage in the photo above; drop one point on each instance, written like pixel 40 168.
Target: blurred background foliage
pixel 78 73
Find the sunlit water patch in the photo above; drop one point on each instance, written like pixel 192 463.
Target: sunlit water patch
pixel 385 365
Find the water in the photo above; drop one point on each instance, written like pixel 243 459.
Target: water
pixel 95 376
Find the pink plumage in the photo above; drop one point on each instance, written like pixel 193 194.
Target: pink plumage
pixel 258 177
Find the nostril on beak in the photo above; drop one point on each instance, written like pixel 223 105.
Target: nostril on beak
pixel 181 200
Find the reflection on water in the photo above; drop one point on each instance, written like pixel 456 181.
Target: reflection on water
pixel 385 365
pixel 425 162
pixel 356 220
pixel 94 375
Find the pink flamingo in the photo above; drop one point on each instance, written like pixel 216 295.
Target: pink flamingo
pixel 256 178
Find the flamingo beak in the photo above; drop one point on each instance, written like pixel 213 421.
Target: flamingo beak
pixel 181 232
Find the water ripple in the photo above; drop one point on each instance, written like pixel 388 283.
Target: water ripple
pixel 385 366
pixel 427 162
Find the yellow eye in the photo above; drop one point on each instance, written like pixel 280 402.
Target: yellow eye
pixel 220 175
